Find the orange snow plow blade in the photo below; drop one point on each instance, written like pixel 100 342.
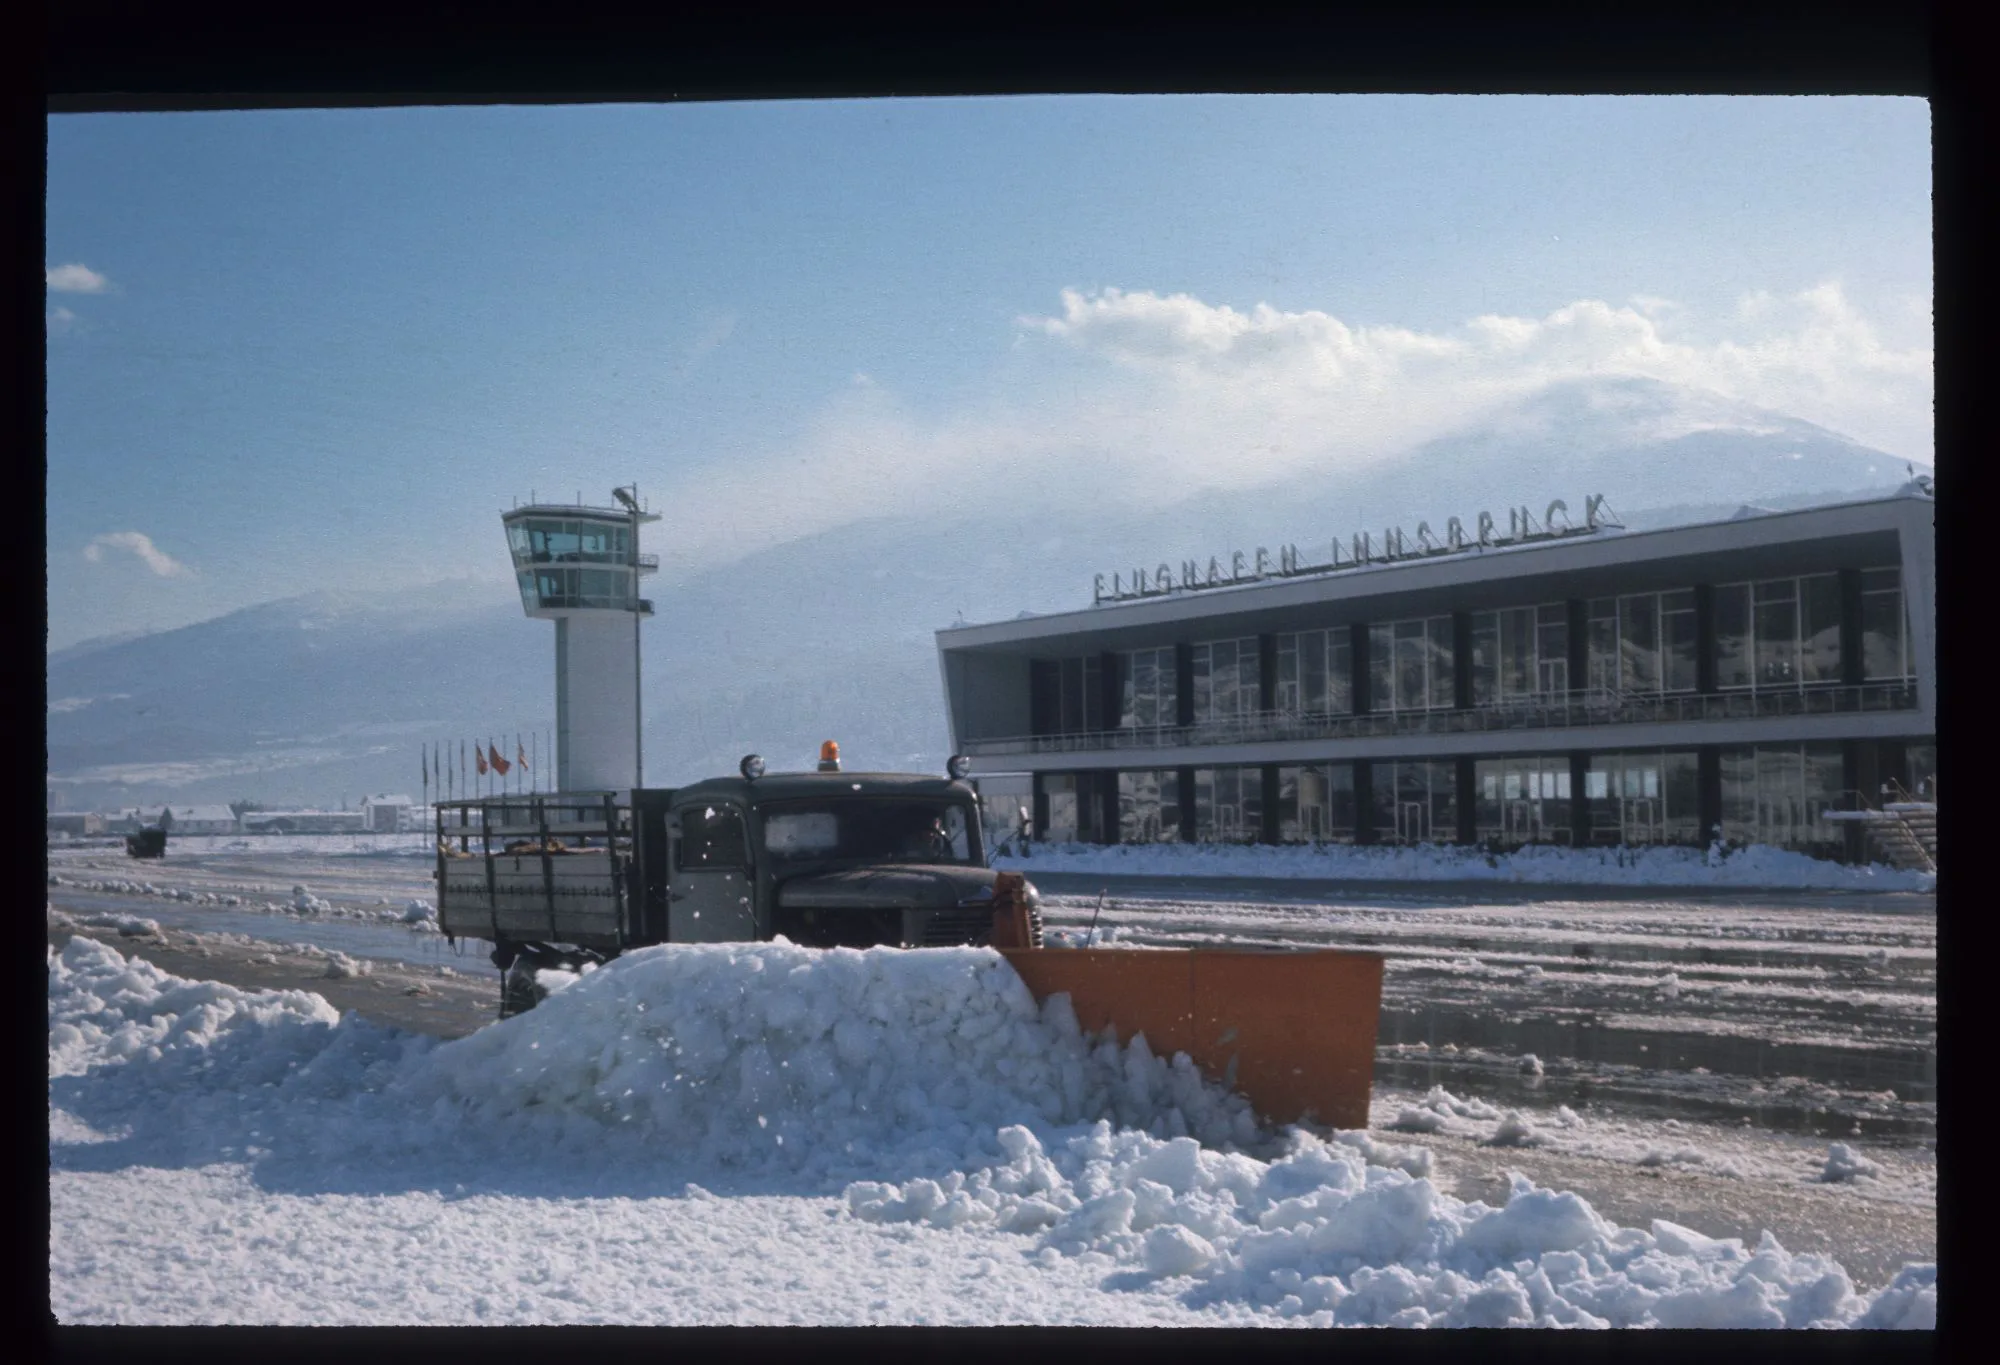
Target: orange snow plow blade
pixel 1293 1032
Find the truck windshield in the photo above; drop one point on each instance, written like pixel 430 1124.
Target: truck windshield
pixel 871 830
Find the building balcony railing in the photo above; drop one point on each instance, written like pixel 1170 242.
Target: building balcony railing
pixel 1557 712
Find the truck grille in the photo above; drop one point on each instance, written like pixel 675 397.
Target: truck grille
pixel 960 924
pixel 968 924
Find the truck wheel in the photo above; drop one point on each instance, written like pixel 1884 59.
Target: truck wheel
pixel 519 991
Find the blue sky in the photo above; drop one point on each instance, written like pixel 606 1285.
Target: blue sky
pixel 291 349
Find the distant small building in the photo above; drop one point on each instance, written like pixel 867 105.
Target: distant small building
pixel 186 820
pixel 387 814
pixel 75 823
pixel 304 822
pixel 129 820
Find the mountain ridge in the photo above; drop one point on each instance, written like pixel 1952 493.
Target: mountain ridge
pixel 832 636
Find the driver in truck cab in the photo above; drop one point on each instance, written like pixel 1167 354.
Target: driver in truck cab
pixel 931 843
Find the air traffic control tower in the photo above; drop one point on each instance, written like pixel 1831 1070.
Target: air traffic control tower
pixel 580 567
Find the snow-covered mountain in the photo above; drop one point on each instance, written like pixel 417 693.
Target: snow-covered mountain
pixel 316 698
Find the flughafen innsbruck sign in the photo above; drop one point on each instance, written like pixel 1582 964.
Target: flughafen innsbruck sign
pixel 1523 527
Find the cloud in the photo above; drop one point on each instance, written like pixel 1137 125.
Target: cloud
pixel 1144 399
pixel 1810 355
pixel 76 279
pixel 140 545
pixel 61 320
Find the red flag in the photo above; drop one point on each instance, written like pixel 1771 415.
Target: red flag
pixel 500 765
pixel 479 757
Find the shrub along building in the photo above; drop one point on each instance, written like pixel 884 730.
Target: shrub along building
pixel 1566 682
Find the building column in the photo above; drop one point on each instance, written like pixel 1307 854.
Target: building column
pixel 1892 763
pixel 1852 671
pixel 1110 689
pixel 1103 786
pixel 1183 683
pixel 1859 774
pixel 1919 561
pixel 1041 810
pixel 1364 801
pixel 1578 612
pixel 1357 653
pixel 1044 696
pixel 1579 803
pixel 1468 795
pixel 1461 660
pixel 1270 833
pixel 1704 646
pixel 1708 789
pixel 1184 779
pixel 1267 673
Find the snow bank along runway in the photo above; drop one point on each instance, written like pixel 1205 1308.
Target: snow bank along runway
pixel 1808 1011
pixel 761 1133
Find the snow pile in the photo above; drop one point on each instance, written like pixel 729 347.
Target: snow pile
pixel 126 887
pixel 106 1009
pixel 420 914
pixel 128 926
pixel 1756 866
pixel 929 1086
pixel 1844 1163
pixel 1434 1111
pixel 305 902
pixel 1322 1237
pixel 763 1057
pixel 773 1056
pixel 339 965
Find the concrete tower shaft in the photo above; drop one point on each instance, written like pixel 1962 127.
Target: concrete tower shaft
pixel 580 567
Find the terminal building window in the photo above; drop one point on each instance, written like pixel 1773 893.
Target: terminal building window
pixel 1315 672
pixel 1775 794
pixel 1519 653
pixel 1409 664
pixel 1885 655
pixel 1316 804
pixel 1644 798
pixel 1522 800
pixel 1777 634
pixel 1225 679
pixel 1066 696
pixel 1414 802
pixel 1149 807
pixel 1148 695
pixel 1228 805
pixel 1920 765
pixel 1642 642
pixel 1059 825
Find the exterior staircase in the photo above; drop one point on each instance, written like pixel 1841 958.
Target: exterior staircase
pixel 1906 834
pixel 1902 831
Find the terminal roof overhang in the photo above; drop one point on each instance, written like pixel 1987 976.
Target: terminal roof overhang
pixel 1810 540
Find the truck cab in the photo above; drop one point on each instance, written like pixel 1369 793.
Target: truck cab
pixel 822 859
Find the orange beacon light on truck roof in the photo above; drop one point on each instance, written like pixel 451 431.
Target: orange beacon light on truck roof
pixel 829 757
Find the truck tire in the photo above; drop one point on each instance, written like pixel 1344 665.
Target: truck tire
pixel 519 991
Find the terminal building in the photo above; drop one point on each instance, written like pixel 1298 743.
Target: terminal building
pixel 1566 682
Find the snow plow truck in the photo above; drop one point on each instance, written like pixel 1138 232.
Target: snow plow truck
pixel 832 859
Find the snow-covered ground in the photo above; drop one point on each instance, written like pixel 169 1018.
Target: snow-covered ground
pixel 761 1134
pixel 1663 866
pixel 1757 866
